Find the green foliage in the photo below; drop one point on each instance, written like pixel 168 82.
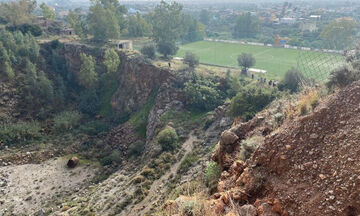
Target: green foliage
pixel 138 27
pixel 136 149
pixel 35 30
pixel 149 51
pixel 246 26
pixel 89 103
pixel 77 22
pixel 111 61
pixel 104 19
pixel 212 175
pixel 114 157
pixel 246 61
pixel 339 34
pixel 17 12
pixel 37 89
pixel 140 119
pixel 166 22
pixel 250 101
pixel 204 17
pixel 5 65
pixel 168 139
pixel 191 59
pixel 343 76
pixel 95 127
pixel 292 81
pixel 19 133
pixel 203 95
pixel 47 12
pixel 167 48
pixel 66 121
pixel 187 162
pixel 249 146
pixel 192 30
pixel 87 76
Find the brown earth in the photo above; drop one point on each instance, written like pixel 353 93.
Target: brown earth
pixel 309 166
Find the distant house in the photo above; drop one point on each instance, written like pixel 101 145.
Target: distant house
pixel 287 20
pixel 122 44
pixel 308 26
pixel 315 17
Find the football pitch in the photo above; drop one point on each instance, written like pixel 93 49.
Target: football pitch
pixel 276 61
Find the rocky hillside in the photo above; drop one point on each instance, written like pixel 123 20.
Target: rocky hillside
pixel 308 166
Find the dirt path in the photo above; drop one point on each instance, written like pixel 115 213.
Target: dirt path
pixel 24 189
pixel 158 187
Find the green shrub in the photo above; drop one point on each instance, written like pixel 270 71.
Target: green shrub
pixel 212 175
pixel 188 161
pixel 18 133
pixel 250 101
pixel 66 121
pixel 94 128
pixel 191 59
pixel 149 51
pixel 168 139
pixel 135 149
pixel 249 146
pixel 291 81
pixel 89 103
pixel 343 76
pixel 35 30
pixel 114 157
pixel 203 95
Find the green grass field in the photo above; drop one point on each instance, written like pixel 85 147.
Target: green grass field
pixel 276 61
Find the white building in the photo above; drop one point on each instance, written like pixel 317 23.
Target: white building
pixel 308 26
pixel 287 20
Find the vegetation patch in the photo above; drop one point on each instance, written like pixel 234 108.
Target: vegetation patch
pixel 20 132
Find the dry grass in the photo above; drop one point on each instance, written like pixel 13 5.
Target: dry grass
pixel 308 102
pixel 203 70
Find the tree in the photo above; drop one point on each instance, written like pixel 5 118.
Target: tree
pixel 168 138
pixel 192 30
pixel 47 12
pixel 5 63
pixel 246 26
pixel 167 48
pixel 103 20
pixel 87 76
pixel 17 12
pixel 291 81
pixel 191 59
pixel 111 61
pixel 77 22
pixel 339 34
pixel 149 51
pixel 166 22
pixel 204 17
pixel 138 27
pixel 246 61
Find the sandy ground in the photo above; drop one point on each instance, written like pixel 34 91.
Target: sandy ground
pixel 24 189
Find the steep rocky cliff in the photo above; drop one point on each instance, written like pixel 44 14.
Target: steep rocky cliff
pixel 137 79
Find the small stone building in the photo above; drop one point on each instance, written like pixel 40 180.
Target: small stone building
pixel 68 31
pixel 122 44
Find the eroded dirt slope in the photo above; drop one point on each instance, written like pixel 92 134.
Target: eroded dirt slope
pixel 310 166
